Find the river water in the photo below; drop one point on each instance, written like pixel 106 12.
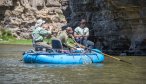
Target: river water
pixel 14 71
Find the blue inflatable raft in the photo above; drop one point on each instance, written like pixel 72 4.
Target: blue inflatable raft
pixel 63 58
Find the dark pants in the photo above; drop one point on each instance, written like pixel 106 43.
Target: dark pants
pixel 86 43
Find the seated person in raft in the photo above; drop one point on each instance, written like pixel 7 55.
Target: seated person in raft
pixel 40 32
pixel 81 34
pixel 68 40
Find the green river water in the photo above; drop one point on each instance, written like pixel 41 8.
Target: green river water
pixel 13 71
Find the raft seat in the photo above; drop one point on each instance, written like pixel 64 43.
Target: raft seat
pixel 57 46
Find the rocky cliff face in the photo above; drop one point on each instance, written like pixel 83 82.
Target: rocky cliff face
pixel 20 15
pixel 115 25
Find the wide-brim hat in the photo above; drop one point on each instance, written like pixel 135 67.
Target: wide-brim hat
pixel 39 22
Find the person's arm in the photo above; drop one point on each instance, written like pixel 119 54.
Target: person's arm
pixel 77 44
pixel 46 29
pixel 70 43
pixel 86 32
pixel 77 35
pixel 81 46
pixel 70 46
pixel 45 32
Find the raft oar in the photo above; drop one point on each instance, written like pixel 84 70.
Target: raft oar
pixel 115 58
pixel 109 55
pixel 105 54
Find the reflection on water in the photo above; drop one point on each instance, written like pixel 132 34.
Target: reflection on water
pixel 58 66
pixel 13 71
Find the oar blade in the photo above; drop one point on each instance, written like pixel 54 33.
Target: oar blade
pixel 125 61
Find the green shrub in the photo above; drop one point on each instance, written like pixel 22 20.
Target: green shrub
pixel 6 34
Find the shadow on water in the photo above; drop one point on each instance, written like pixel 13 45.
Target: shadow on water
pixel 13 71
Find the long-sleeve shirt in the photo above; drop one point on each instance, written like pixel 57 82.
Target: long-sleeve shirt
pixel 39 33
pixel 66 40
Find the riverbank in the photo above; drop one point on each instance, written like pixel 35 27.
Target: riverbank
pixel 22 42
